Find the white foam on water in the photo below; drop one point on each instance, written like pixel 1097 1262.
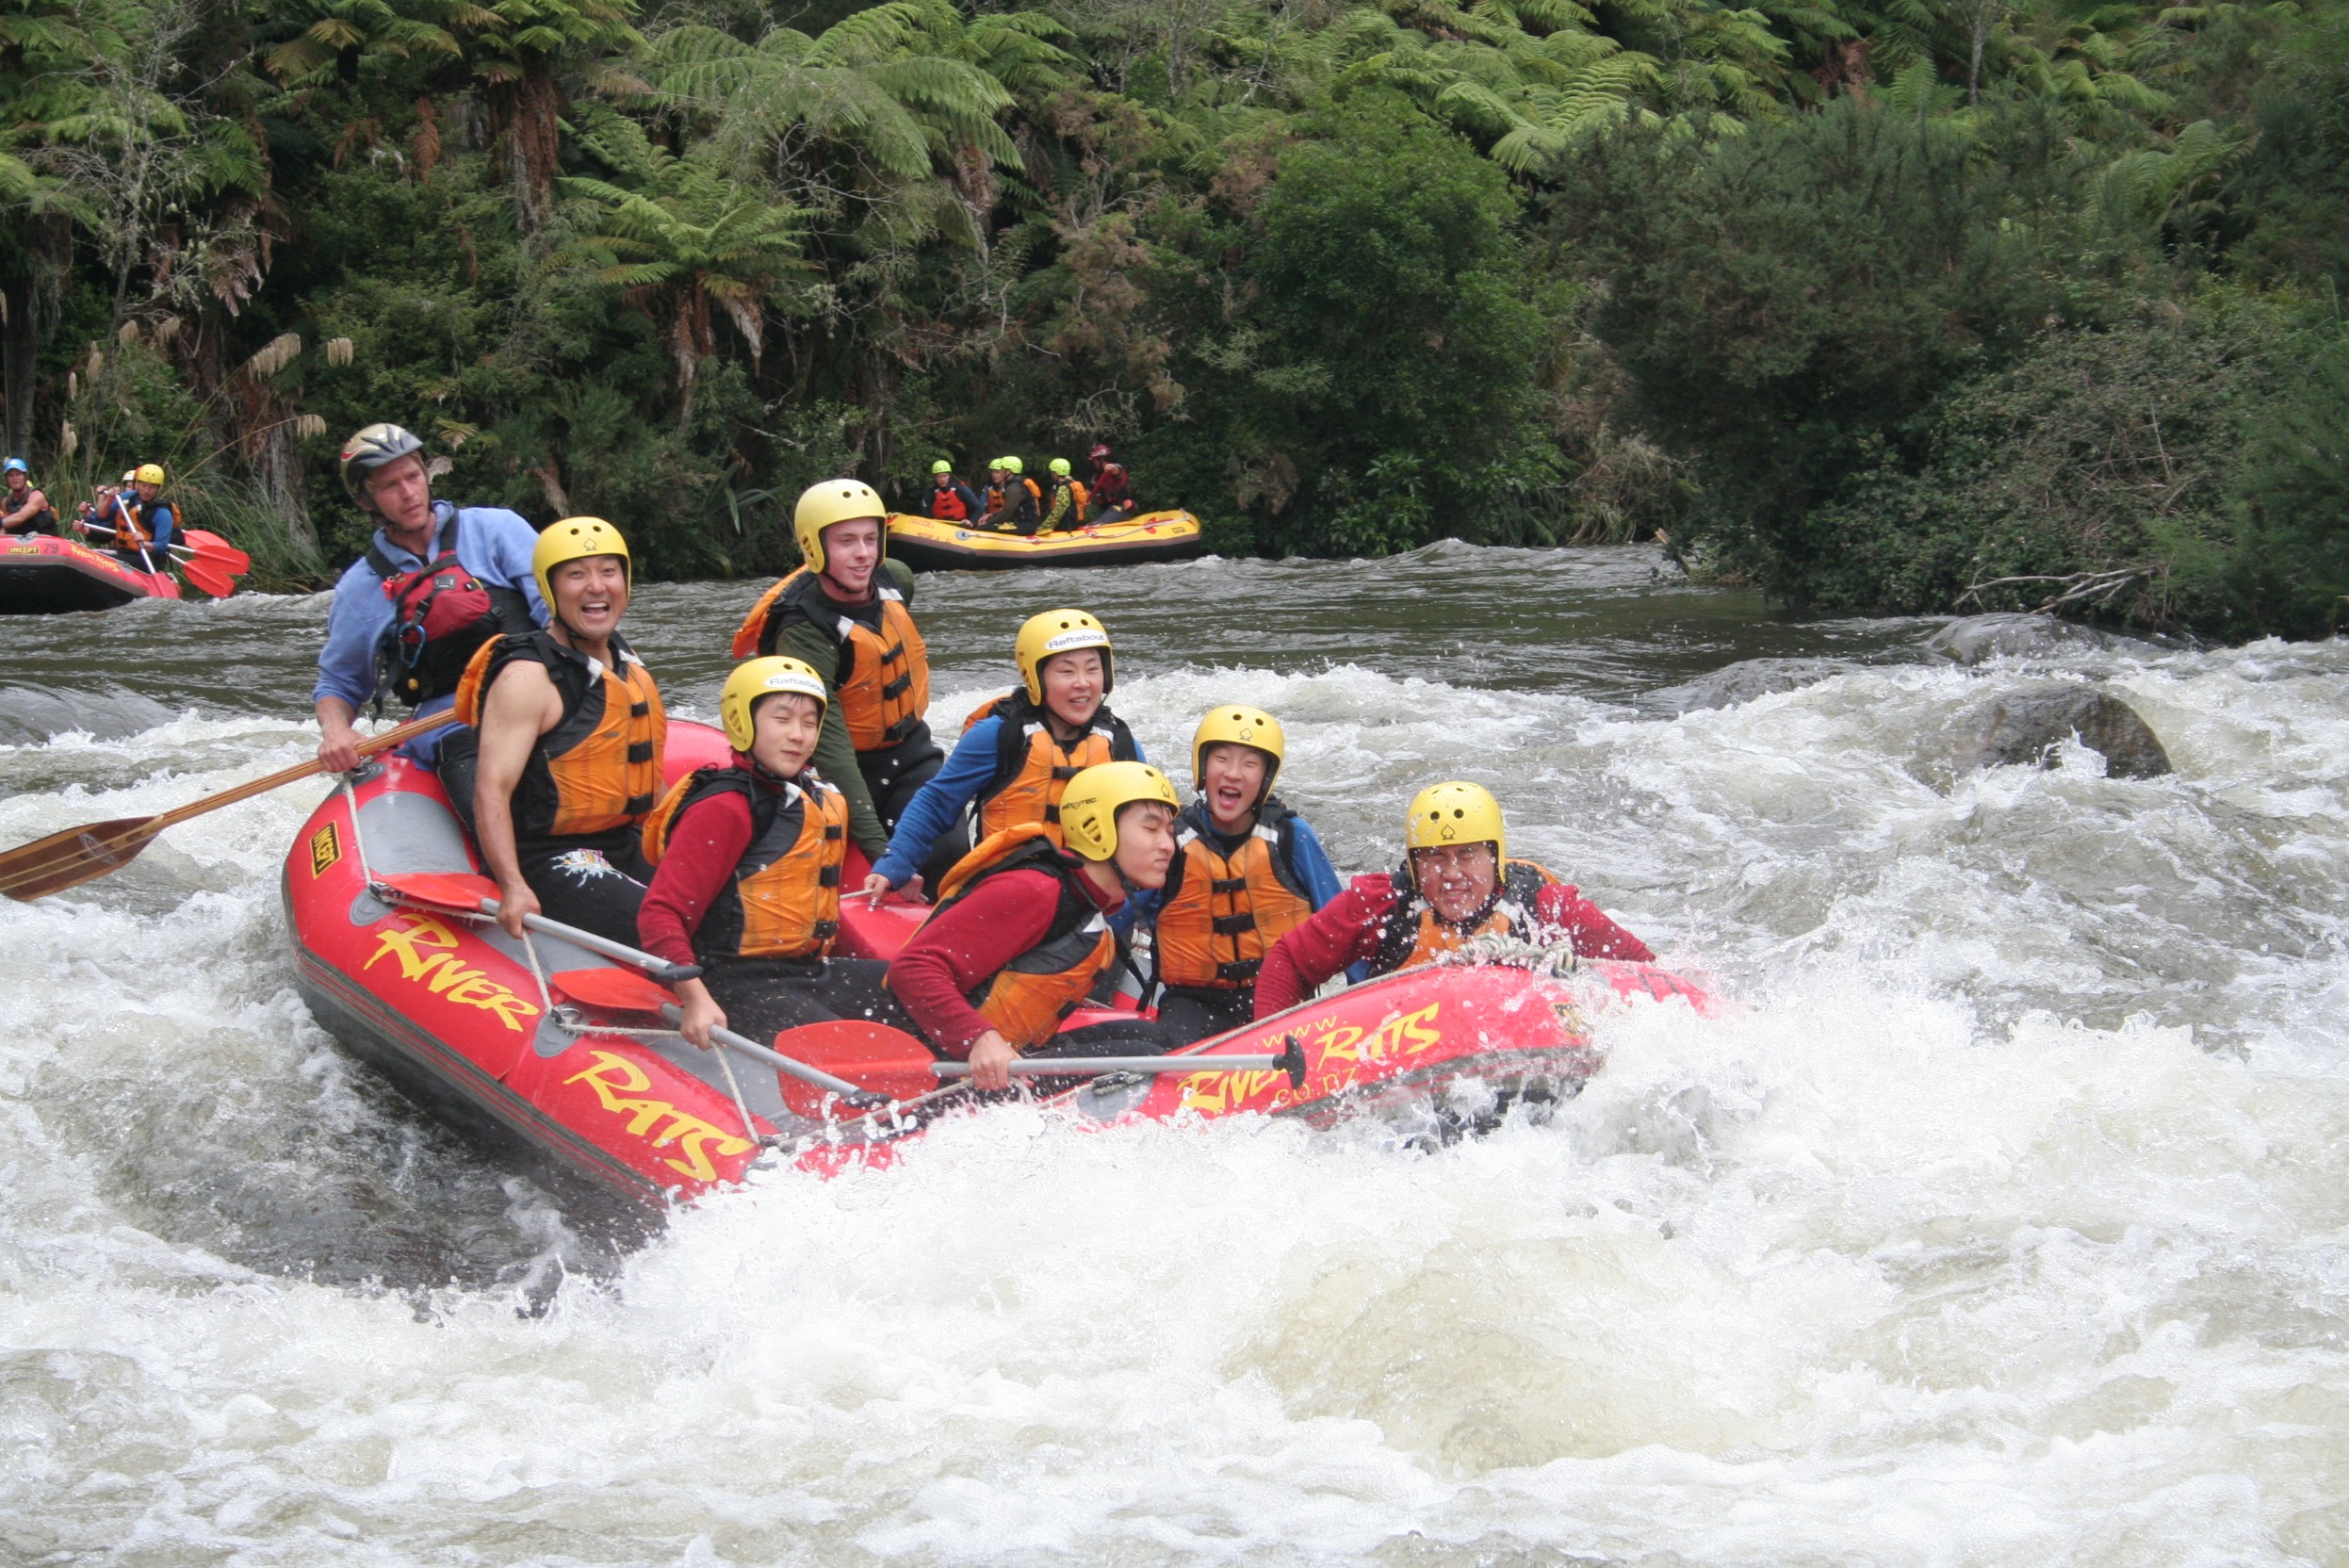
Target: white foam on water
pixel 1999 1222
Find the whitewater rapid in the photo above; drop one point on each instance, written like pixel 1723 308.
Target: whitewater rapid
pixel 2001 1221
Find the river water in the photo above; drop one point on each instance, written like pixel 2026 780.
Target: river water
pixel 2001 1222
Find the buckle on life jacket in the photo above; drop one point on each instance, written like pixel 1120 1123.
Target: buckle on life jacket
pixel 637 710
pixel 1064 774
pixel 1231 925
pixel 900 730
pixel 825 930
pixel 1230 884
pixel 828 878
pixel 639 751
pixel 898 688
pixel 1240 974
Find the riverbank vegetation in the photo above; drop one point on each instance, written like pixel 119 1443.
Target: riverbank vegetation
pixel 1882 304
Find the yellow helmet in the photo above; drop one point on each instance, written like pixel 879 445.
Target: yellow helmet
pixel 1058 631
pixel 1088 811
pixel 758 678
pixel 1457 814
pixel 575 539
pixel 835 500
pixel 1238 725
pixel 149 473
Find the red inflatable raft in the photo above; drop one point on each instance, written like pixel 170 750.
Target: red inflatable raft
pixel 521 1043
pixel 48 576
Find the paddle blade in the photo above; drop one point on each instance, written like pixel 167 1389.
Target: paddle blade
pixel 207 577
pixel 460 891
pixel 77 856
pixel 613 990
pixel 870 1055
pixel 219 550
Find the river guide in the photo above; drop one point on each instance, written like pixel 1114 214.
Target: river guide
pixel 932 545
pixel 549 1048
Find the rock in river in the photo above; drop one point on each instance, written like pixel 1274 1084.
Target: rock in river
pixel 2026 724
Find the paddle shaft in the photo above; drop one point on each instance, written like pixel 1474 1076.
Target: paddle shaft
pixel 300 771
pixel 781 1062
pixel 660 969
pixel 1058 1067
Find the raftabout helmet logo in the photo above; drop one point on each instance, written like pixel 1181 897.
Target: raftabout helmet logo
pixel 1082 637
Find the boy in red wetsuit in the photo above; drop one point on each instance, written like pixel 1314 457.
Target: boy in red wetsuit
pixel 748 883
pixel 1020 934
pixel 1457 883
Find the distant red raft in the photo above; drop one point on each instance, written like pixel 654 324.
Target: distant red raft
pixel 459 1017
pixel 48 576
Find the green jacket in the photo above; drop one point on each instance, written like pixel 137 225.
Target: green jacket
pixel 836 759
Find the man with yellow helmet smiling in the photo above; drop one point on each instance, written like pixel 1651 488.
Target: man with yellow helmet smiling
pixel 1018 751
pixel 748 885
pixel 1246 871
pixel 1457 882
pixel 848 613
pixel 563 762
pixel 1020 935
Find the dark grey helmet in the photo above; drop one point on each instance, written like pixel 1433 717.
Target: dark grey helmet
pixel 369 451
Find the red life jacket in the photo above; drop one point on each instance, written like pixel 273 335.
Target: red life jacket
pixel 946 504
pixel 441 614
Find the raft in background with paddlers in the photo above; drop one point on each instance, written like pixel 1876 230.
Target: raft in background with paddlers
pixel 932 545
pixel 42 572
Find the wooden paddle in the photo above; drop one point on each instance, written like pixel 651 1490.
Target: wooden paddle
pixel 80 855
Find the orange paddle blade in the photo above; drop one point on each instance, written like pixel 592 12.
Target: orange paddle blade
pixel 209 577
pixel 219 550
pixel 871 1056
pixel 77 856
pixel 442 889
pixel 616 991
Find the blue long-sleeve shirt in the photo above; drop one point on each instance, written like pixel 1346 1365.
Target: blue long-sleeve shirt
pixel 1313 866
pixel 493 543
pixel 937 805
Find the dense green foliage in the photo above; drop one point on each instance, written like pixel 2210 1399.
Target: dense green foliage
pixel 1924 305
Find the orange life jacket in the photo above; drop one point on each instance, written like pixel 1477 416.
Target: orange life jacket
pixel 881 679
pixel 1032 769
pixel 784 900
pixel 1413 934
pixel 1026 1000
pixel 599 768
pixel 1218 915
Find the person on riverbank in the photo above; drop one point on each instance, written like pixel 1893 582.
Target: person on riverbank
pixel 747 878
pixel 950 499
pixel 435 584
pixel 1065 508
pixel 1112 490
pixel 1246 872
pixel 1016 752
pixel 848 612
pixel 1457 883
pixel 561 764
pixel 1020 935
pixel 26 510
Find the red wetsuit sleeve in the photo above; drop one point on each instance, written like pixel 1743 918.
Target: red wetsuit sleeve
pixel 1563 909
pixel 706 843
pixel 1344 931
pixel 1004 917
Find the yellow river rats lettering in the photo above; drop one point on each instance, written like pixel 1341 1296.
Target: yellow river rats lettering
pixel 440 971
pixel 1332 1046
pixel 615 1077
